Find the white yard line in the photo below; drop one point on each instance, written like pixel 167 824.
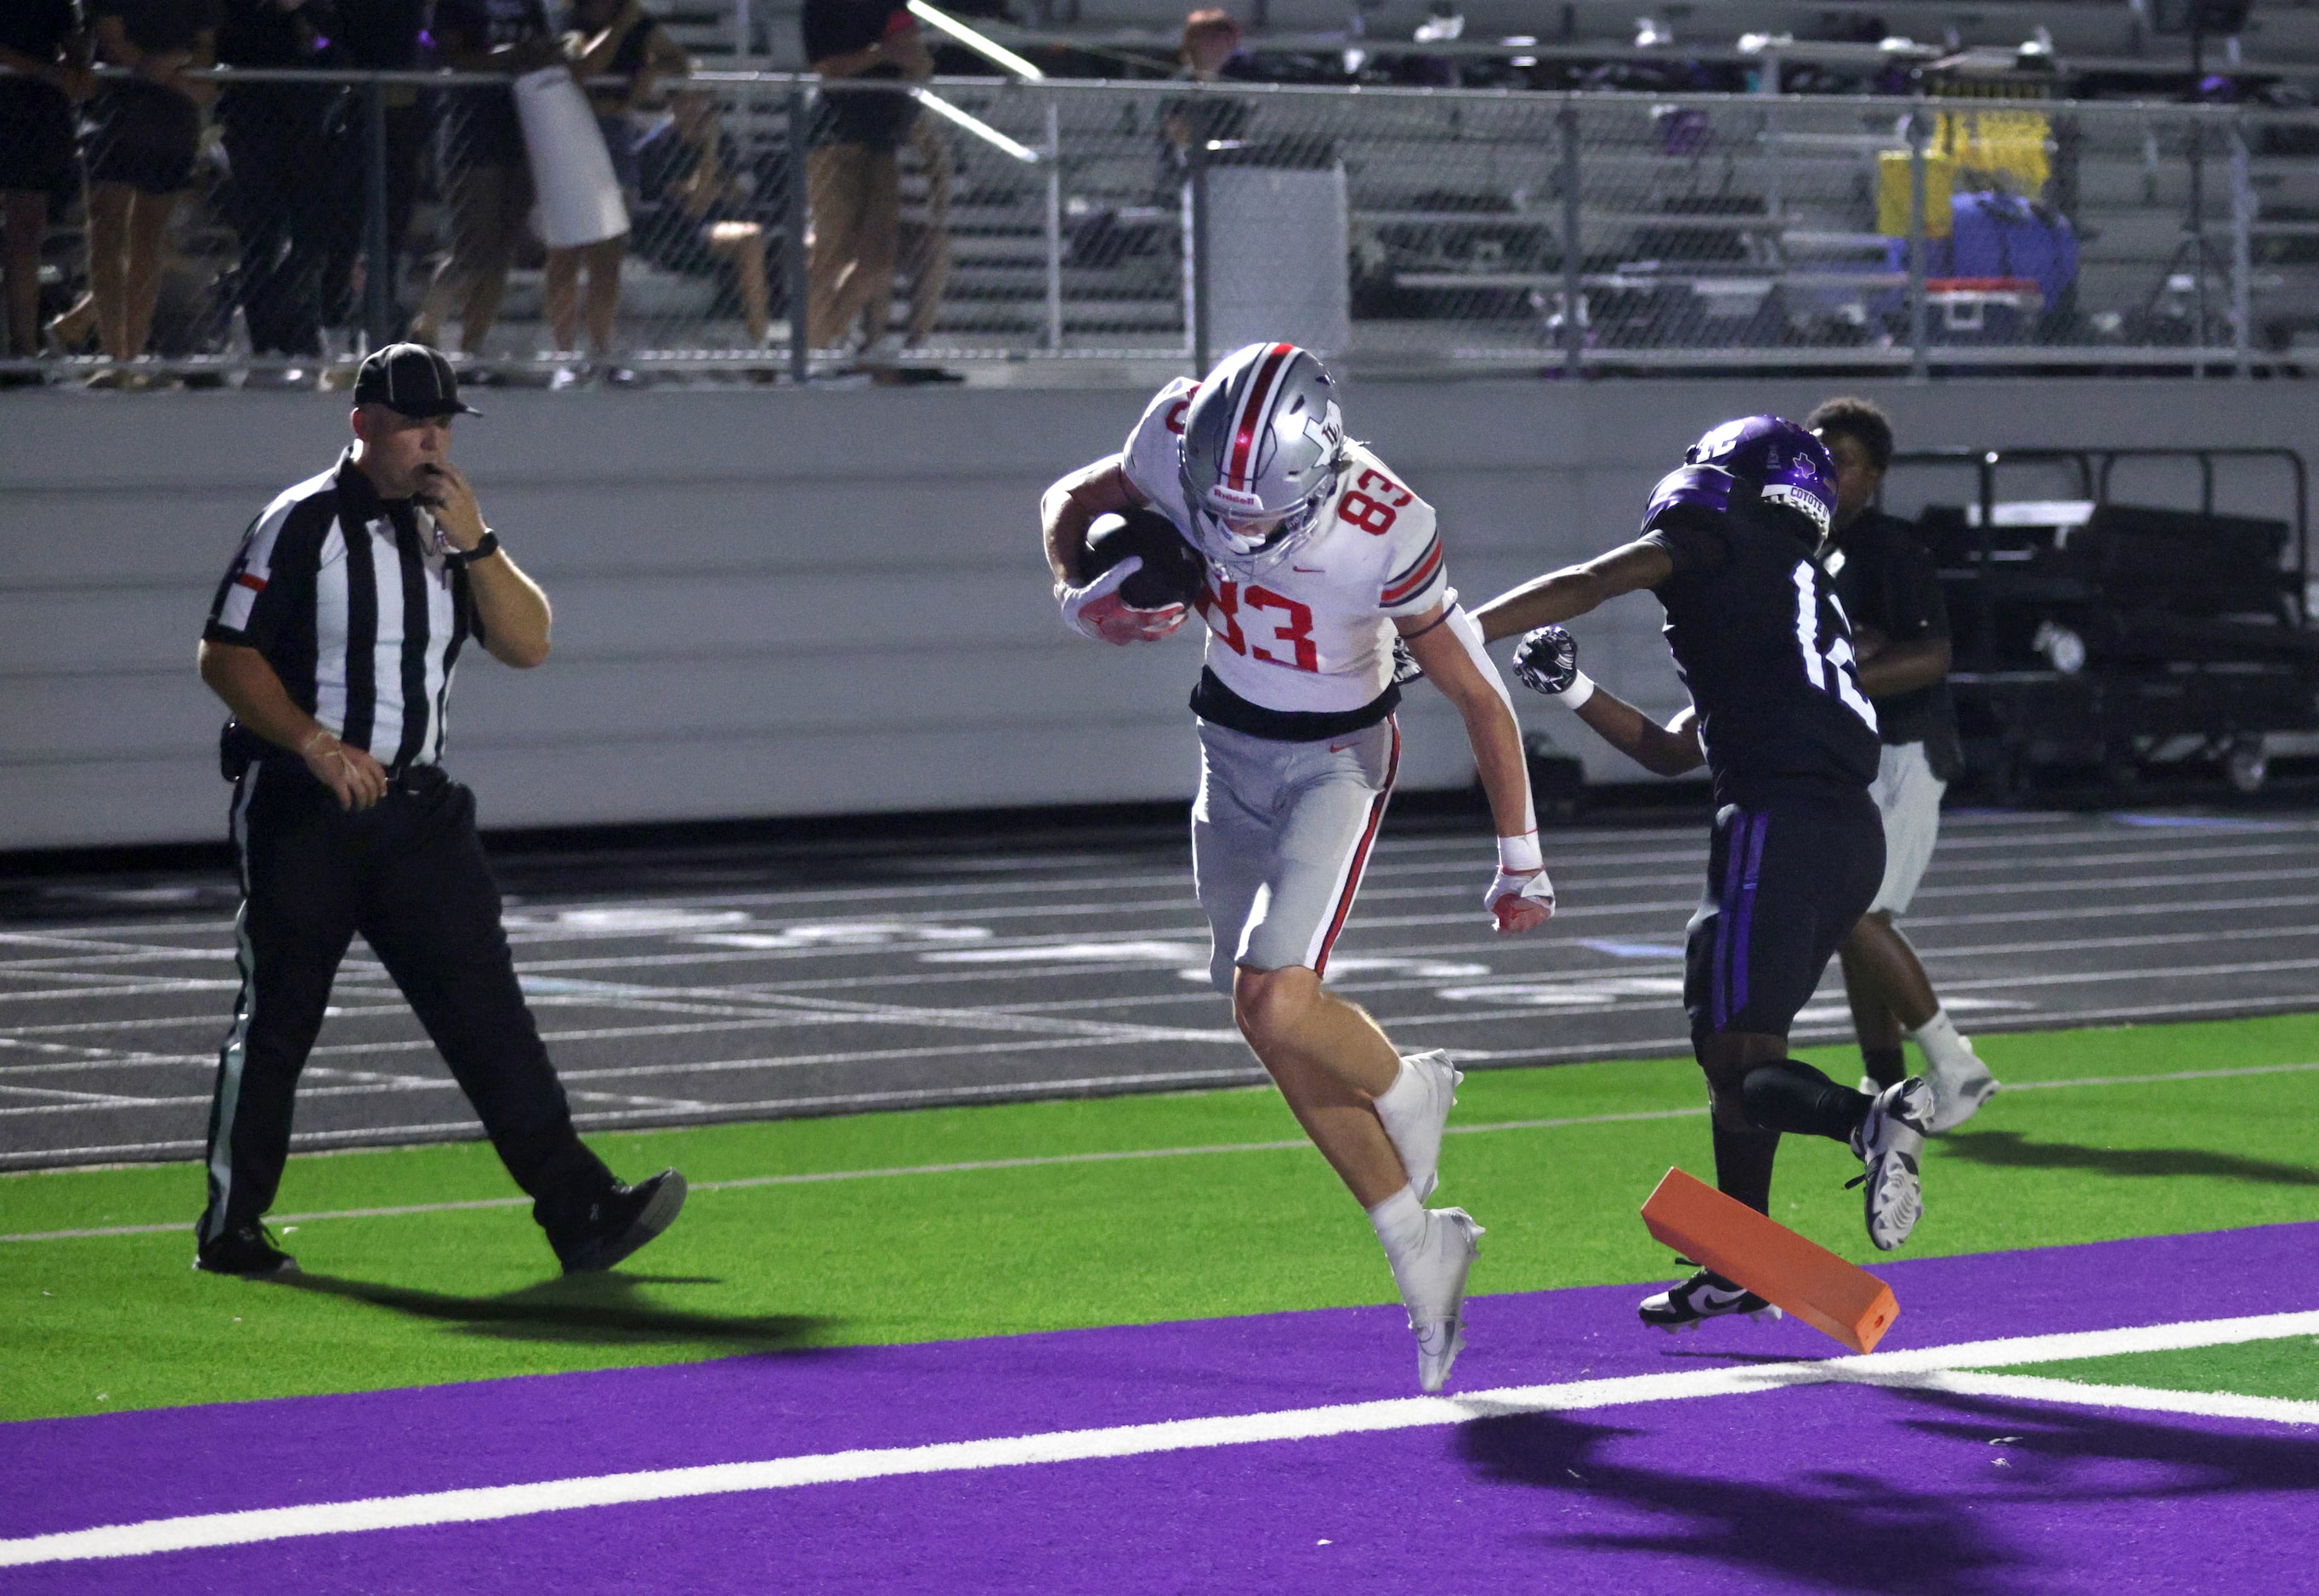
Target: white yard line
pixel 1927 1368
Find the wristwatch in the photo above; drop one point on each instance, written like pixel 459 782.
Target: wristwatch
pixel 485 550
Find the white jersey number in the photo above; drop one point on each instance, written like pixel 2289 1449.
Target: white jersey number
pixel 1828 668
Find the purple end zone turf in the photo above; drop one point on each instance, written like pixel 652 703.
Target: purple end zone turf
pixel 1824 1488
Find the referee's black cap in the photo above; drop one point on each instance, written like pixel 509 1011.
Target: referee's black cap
pixel 412 380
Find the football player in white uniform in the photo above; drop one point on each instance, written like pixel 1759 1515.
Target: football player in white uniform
pixel 1317 555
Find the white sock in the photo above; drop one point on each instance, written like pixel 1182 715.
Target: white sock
pixel 1406 1096
pixel 1400 1224
pixel 1938 1038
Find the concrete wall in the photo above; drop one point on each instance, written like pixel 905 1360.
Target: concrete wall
pixel 771 602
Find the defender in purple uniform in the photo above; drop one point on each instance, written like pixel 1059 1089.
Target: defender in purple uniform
pixel 1729 547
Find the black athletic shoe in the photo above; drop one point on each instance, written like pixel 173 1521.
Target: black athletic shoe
pixel 618 1222
pixel 1705 1295
pixel 247 1250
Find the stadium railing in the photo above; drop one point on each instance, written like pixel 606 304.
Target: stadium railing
pixel 1406 231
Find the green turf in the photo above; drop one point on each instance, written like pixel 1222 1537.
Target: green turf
pixel 2287 1367
pixel 103 1323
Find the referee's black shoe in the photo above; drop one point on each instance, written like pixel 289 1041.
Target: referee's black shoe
pixel 618 1222
pixel 247 1250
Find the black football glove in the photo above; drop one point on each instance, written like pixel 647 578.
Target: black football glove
pixel 1548 661
pixel 1405 667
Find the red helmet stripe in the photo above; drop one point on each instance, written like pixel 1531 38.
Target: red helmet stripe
pixel 1238 468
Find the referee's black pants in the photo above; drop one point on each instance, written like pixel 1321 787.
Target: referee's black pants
pixel 409 875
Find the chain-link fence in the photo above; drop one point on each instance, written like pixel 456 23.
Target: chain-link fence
pixel 304 216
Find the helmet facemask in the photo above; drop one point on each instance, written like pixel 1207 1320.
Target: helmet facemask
pixel 1248 555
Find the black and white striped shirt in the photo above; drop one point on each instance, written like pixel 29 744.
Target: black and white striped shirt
pixel 350 598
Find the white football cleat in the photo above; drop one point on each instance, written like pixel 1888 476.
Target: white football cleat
pixel 1437 1347
pixel 1415 1111
pixel 1960 1087
pixel 1891 1141
pixel 1433 1289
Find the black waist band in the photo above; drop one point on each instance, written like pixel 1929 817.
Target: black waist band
pixel 1212 700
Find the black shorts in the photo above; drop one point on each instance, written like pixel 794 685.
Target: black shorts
pixel 38 154
pixel 144 136
pixel 1786 882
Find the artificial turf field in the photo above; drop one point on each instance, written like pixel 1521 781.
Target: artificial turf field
pixel 941 1226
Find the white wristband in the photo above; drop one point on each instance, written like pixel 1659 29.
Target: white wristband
pixel 1581 689
pixel 1518 856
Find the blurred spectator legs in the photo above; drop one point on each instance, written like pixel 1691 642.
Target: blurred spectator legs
pixel 274 203
pixel 128 232
pixel 742 244
pixel 926 238
pixel 852 207
pixel 26 217
pixel 490 206
pixel 561 294
pixel 407 127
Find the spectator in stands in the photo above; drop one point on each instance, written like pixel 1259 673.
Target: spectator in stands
pixel 480 161
pixel 612 38
pixel 925 248
pixel 853 185
pixel 1210 53
pixel 43 43
pixel 144 134
pixel 279 144
pixel 383 36
pixel 696 213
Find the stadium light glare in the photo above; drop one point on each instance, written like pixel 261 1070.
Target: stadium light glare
pixel 979 42
pixel 977 127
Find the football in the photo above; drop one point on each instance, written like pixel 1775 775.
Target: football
pixel 1173 571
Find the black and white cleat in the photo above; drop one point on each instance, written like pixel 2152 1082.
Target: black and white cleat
pixel 1705 1295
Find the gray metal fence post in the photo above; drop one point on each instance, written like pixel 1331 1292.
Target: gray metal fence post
pixel 378 263
pixel 1574 259
pixel 1920 330
pixel 801 122
pixel 1054 220
pixel 1198 188
pixel 2242 251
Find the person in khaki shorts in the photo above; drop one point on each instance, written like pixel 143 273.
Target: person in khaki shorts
pixel 853 185
pixel 1892 593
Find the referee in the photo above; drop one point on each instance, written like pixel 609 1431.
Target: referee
pixel 1892 592
pixel 332 639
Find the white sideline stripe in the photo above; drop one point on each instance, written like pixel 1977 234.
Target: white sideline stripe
pixel 2037 1388
pixel 1050 1160
pixel 1927 1368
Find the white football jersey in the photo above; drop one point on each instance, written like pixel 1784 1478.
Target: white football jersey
pixel 1314 634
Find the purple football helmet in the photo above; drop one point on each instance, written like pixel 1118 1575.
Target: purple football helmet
pixel 1785 466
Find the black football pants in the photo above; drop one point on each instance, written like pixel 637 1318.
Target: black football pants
pixel 409 875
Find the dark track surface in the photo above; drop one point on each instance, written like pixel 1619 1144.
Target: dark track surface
pixel 678 988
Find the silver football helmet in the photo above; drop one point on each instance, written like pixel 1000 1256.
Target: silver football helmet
pixel 1258 455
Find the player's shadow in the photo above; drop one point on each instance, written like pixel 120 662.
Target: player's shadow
pixel 1844 1530
pixel 2010 1150
pixel 598 1308
pixel 2043 1445
pixel 1830 1529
